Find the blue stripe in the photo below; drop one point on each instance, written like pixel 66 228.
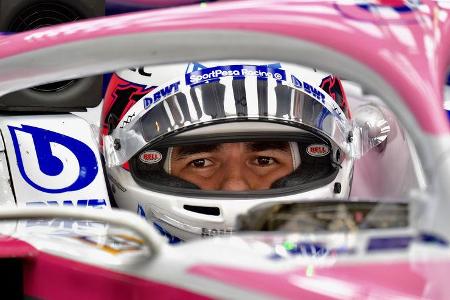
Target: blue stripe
pixel 399 9
pixel 402 9
pixel 389 243
pixel 429 238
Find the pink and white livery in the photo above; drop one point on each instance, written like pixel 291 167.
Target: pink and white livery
pixel 388 238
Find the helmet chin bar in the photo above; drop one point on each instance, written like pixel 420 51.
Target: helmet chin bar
pixel 174 212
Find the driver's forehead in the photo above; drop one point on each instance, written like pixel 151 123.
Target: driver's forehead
pixel 243 146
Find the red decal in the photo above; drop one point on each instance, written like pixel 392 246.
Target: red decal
pixel 317 150
pixel 150 157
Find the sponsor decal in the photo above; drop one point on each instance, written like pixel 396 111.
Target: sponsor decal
pixel 57 163
pixel 195 66
pixel 121 101
pixel 141 71
pixel 63 226
pixel 141 211
pixel 128 120
pixel 150 157
pixel 392 243
pixel 239 71
pixel 308 88
pixel 380 11
pixel 332 106
pixel 171 239
pixel 301 249
pixel 95 203
pixel 114 244
pixel 318 150
pixel 207 232
pixel 161 93
pixel 308 249
pixel 399 6
pixel 389 243
pixel 333 87
pixel 313 92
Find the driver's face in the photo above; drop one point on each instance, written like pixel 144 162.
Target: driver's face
pixel 232 166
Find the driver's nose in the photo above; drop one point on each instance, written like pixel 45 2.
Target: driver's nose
pixel 234 179
pixel 235 185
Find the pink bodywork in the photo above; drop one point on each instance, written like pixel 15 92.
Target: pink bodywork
pixel 395 280
pixel 411 52
pixel 42 278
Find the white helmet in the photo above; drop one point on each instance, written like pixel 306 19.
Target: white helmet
pixel 301 110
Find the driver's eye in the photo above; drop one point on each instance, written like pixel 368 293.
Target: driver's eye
pixel 264 161
pixel 200 163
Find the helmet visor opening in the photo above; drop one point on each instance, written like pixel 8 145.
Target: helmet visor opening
pixel 237 165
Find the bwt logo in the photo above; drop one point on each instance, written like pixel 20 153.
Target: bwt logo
pixel 64 227
pixel 308 88
pixel 96 203
pixel 52 162
pixel 160 94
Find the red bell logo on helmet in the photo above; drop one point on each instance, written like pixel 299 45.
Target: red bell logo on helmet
pixel 317 150
pixel 150 157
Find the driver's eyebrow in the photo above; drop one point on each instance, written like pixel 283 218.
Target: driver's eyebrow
pixel 263 146
pixel 184 151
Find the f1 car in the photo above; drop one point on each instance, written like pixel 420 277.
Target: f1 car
pixel 61 239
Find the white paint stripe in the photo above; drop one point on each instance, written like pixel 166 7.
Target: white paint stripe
pixel 190 104
pixel 251 94
pixel 271 97
pixel 295 154
pixel 177 104
pixel 198 93
pixel 168 162
pixel 169 113
pixel 229 102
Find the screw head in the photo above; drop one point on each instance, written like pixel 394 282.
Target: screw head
pixel 350 137
pixel 117 144
pixel 337 188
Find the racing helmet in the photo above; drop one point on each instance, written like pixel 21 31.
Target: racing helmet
pixel 219 106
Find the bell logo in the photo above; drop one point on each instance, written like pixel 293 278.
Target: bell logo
pixel 52 162
pixel 317 150
pixel 150 157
